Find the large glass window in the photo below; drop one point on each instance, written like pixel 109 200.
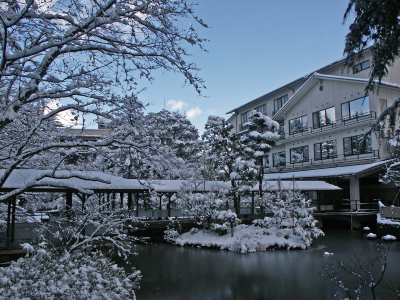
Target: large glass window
pixel 244 117
pixel 356 108
pixel 278 103
pixel 279 159
pixel 298 125
pixel 325 150
pixel 352 145
pixel 324 117
pixel 361 66
pixel 262 109
pixel 299 154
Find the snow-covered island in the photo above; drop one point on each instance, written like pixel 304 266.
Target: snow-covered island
pixel 245 239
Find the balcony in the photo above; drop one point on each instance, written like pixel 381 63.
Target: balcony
pixel 337 124
pixel 338 160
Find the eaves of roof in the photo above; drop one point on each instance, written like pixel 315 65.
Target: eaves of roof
pixel 305 77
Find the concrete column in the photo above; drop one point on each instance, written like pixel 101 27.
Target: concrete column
pixel 354 193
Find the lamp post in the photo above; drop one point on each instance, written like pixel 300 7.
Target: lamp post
pixel 258 211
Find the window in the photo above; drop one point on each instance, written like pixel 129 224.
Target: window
pixel 356 108
pixel 325 150
pixel 352 145
pixel 361 66
pixel 262 109
pixel 324 117
pixel 278 103
pixel 244 117
pixel 298 125
pixel 299 154
pixel 279 159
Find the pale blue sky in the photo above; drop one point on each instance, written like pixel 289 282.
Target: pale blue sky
pixel 255 46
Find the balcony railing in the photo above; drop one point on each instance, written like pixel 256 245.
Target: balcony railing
pixel 338 159
pixel 337 124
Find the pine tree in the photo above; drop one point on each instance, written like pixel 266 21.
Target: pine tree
pixel 259 138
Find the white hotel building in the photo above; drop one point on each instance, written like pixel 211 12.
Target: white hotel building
pixel 323 115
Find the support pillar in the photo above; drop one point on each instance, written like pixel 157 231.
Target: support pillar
pixel 14 200
pixel 130 200
pixel 9 223
pixel 354 193
pixel 121 199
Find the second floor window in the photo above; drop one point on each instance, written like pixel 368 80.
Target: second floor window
pixel 262 109
pixel 353 146
pixel 355 109
pixel 325 150
pixel 361 66
pixel 298 125
pixel 244 118
pixel 279 159
pixel 324 117
pixel 299 154
pixel 279 102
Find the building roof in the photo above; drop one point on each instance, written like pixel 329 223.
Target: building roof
pixel 303 78
pixel 360 170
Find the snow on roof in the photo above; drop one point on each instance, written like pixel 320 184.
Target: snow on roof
pixel 170 186
pixel 91 180
pixel 328 172
pixel 309 185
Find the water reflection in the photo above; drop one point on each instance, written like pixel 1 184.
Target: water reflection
pixel 171 272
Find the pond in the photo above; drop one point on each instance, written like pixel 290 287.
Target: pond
pixel 173 272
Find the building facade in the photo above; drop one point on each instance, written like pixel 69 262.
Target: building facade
pixel 323 118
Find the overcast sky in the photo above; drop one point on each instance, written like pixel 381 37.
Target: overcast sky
pixel 254 46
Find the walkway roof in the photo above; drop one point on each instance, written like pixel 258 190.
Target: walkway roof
pixel 88 181
pixel 360 170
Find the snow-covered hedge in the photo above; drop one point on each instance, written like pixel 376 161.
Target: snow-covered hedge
pixel 79 275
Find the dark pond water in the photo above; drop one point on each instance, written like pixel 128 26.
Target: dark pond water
pixel 172 272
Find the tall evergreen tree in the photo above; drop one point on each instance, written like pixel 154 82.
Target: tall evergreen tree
pixel 259 138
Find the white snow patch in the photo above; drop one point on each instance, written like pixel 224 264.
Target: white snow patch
pixel 389 237
pixel 366 228
pixel 371 235
pixel 246 238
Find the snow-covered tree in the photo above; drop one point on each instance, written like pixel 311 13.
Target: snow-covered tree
pixel 293 212
pixel 376 24
pixel 87 55
pixel 224 158
pixel 44 274
pixel 259 138
pixel 206 207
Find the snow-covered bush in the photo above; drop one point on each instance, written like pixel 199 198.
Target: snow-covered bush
pixel 79 275
pixel 291 211
pixel 173 231
pixel 220 221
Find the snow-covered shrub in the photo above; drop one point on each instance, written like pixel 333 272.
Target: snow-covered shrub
pixel 79 275
pixel 291 211
pixel 173 231
pixel 220 221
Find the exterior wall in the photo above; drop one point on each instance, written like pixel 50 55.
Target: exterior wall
pixel 334 94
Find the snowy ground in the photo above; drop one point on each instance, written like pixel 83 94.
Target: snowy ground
pixel 246 238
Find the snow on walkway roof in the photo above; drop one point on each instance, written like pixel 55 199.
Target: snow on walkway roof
pixel 309 185
pixel 88 180
pixel 328 172
pixel 93 180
